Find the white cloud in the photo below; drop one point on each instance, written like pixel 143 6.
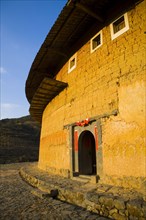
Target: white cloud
pixel 9 110
pixel 9 105
pixel 2 70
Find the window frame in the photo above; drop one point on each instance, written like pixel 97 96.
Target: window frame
pixel 70 69
pixel 123 30
pixel 92 39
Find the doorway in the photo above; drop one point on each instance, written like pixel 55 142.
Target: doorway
pixel 87 154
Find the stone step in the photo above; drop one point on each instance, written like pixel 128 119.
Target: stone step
pixel 85 177
pixel 85 180
pixel 41 194
pixel 89 178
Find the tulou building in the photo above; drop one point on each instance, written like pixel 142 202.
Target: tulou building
pixel 86 87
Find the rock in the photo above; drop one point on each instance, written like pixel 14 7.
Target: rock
pixel 117 216
pixel 122 212
pixel 107 201
pixel 102 218
pixel 133 218
pixel 93 198
pixel 89 205
pixel 53 193
pixel 105 212
pixel 98 207
pixel 134 208
pixel 144 211
pixel 112 211
pixel 126 212
pixel 119 204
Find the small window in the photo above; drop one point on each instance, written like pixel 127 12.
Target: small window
pixel 119 26
pixel 96 41
pixel 72 63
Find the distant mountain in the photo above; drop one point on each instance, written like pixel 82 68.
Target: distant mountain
pixel 19 140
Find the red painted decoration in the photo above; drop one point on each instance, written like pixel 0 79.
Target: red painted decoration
pixel 76 140
pixel 83 123
pixel 96 137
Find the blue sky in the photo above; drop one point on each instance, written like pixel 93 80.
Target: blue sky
pixel 24 25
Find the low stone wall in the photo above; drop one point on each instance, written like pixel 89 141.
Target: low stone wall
pixel 110 201
pixel 116 207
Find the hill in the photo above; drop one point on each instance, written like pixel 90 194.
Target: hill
pixel 19 140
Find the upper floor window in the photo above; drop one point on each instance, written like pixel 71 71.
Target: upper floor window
pixel 72 63
pixel 96 41
pixel 119 26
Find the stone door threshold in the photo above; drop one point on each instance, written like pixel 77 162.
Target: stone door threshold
pixel 86 178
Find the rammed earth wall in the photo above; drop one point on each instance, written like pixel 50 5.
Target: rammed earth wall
pixel 111 78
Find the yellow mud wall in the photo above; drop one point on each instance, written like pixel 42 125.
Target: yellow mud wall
pixel 124 145
pixel 124 150
pixel 112 77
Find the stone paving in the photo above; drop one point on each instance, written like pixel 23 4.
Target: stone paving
pixel 18 202
pixel 106 200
